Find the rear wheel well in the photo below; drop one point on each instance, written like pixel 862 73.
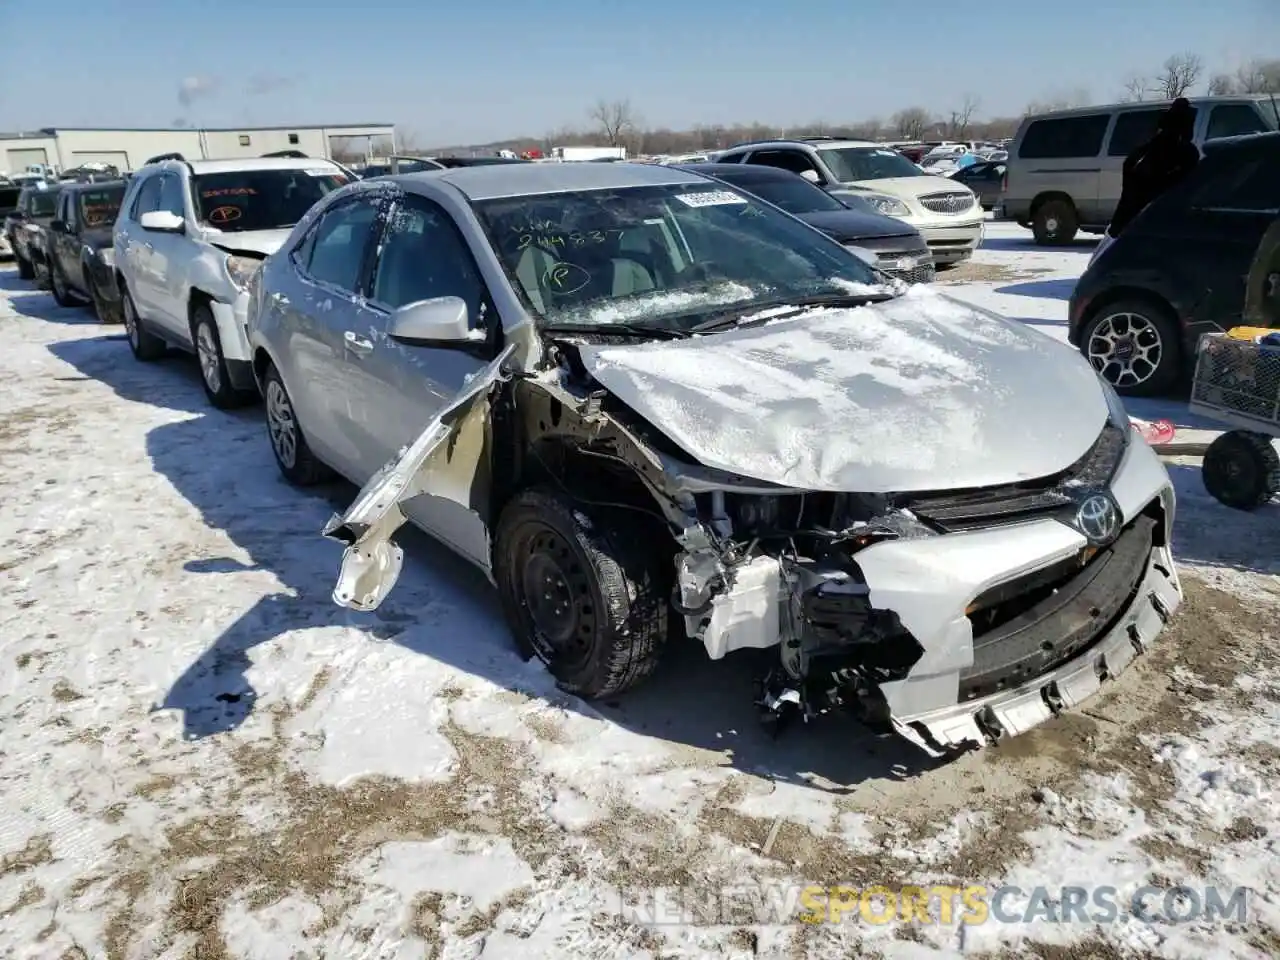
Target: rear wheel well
pixel 1116 294
pixel 1043 198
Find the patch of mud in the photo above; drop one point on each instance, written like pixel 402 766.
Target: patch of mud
pixel 974 272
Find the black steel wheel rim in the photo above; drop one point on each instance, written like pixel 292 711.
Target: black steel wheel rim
pixel 554 592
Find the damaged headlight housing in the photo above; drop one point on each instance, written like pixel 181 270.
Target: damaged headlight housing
pixel 241 270
pixel 754 514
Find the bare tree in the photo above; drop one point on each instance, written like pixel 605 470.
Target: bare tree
pixel 910 123
pixel 961 117
pixel 1135 88
pixel 1060 100
pixel 1221 84
pixel 1258 76
pixel 614 119
pixel 1178 74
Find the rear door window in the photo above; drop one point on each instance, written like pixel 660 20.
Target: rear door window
pixel 792 160
pixel 1063 138
pixel 1234 120
pixel 1133 128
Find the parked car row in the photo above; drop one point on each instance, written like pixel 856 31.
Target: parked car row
pixel 947 214
pixel 650 405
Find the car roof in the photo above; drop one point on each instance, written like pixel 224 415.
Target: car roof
pixel 1196 102
pixel 76 187
pixel 752 171
pixel 491 181
pixel 823 143
pixel 1244 143
pixel 249 164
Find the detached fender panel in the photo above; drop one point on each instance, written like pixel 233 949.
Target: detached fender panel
pixel 232 331
pixel 372 561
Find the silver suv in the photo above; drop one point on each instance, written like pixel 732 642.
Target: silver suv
pixel 1065 168
pixel 946 213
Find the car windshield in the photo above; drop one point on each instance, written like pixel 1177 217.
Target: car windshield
pixel 9 199
pixel 792 194
pixel 664 257
pixel 43 202
pixel 260 199
pixel 868 163
pixel 98 208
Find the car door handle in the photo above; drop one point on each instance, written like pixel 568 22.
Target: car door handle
pixel 356 343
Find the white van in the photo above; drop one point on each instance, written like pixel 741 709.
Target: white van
pixel 1065 168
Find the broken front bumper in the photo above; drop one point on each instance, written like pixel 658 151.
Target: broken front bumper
pixel 1011 712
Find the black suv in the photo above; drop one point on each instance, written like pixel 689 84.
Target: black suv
pixel 1179 269
pixel 78 246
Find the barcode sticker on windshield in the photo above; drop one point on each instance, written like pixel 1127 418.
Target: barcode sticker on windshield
pixel 885 153
pixel 710 198
pixel 322 173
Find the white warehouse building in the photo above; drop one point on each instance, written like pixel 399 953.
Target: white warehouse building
pixel 65 148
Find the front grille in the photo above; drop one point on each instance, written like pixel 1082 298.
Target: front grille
pixel 953 511
pixel 1037 622
pixel 922 273
pixel 951 202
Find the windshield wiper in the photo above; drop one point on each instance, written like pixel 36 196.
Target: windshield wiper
pixel 620 329
pixel 740 317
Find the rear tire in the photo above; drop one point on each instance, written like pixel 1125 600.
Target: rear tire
pixel 213 365
pixel 581 592
pixel 146 346
pixel 58 287
pixel 1241 470
pixel 297 463
pixel 1055 223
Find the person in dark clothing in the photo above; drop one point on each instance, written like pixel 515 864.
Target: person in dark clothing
pixel 1157 165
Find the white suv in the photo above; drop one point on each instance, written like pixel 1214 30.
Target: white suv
pixel 947 214
pixel 189 237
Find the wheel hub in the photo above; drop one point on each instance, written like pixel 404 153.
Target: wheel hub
pixel 555 595
pixel 281 425
pixel 1126 349
pixel 208 354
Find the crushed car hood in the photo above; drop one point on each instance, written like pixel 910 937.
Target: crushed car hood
pixel 262 242
pixel 918 393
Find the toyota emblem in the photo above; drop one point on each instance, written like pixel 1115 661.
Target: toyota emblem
pixel 1098 518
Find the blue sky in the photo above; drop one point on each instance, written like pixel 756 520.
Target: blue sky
pixel 460 72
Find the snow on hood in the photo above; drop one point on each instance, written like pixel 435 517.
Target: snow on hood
pixel 265 242
pixel 918 393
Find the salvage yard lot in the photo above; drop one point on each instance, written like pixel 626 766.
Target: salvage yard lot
pixel 204 757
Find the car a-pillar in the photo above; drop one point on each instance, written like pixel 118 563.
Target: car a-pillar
pixel 1054 219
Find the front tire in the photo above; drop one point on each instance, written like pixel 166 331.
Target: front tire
pixel 293 456
pixel 580 592
pixel 25 270
pixel 213 365
pixel 146 346
pixel 1241 470
pixel 1055 223
pixel 1135 346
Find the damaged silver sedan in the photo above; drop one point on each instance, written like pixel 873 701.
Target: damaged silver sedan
pixel 655 409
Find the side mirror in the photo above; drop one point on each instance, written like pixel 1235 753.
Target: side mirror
pixel 439 320
pixel 811 176
pixel 161 221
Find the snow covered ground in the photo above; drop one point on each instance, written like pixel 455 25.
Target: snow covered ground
pixel 202 756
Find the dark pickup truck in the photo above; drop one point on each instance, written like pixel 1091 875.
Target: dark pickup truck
pixel 24 227
pixel 78 243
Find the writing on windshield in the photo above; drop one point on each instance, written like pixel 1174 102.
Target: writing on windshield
pixel 260 199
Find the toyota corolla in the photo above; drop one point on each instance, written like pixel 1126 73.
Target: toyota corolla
pixel 654 409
